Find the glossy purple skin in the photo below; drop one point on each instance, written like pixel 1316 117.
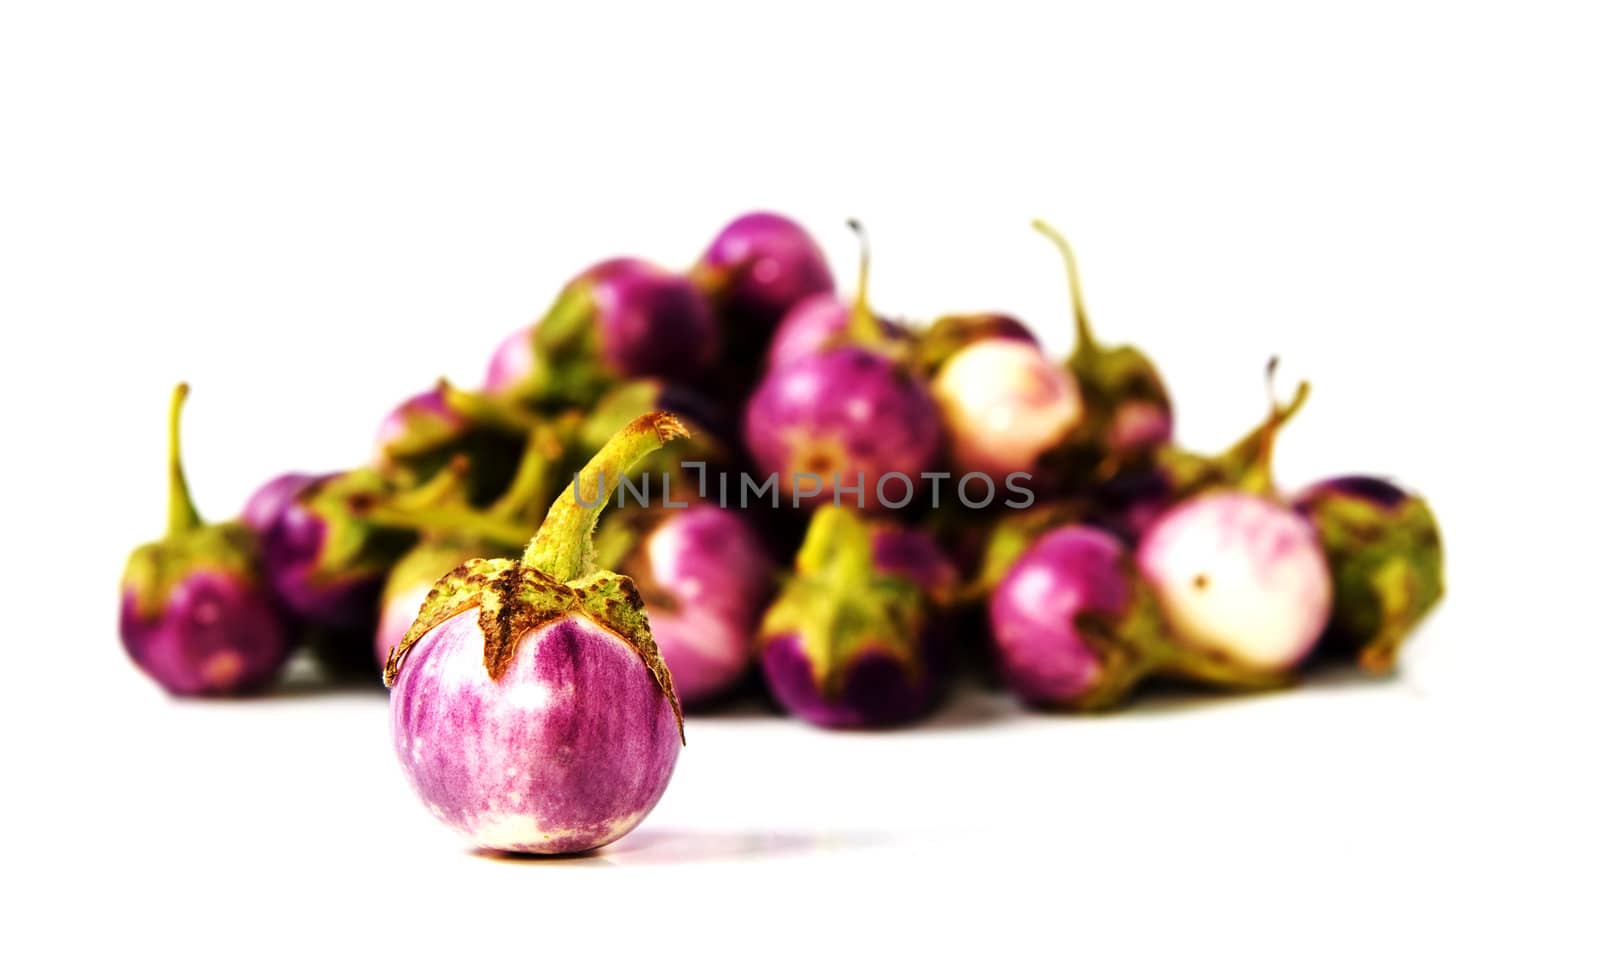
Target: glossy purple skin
pixel 216 635
pixel 567 751
pixel 1033 613
pixel 847 411
pixel 808 327
pixel 266 504
pixel 511 363
pixel 652 322
pixel 811 326
pixel 763 265
pixel 715 576
pixel 290 550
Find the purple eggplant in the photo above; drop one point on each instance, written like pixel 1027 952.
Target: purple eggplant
pixel 817 323
pixel 1227 586
pixel 530 708
pixel 1384 549
pixel 196 614
pixel 705 578
pixel 757 269
pixel 850 419
pixel 267 503
pixel 1033 617
pixel 851 641
pixel 1079 621
pixel 325 562
pixel 625 318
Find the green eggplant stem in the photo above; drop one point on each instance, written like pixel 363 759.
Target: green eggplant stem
pixel 563 549
pixel 453 520
pixel 1257 474
pixel 181 514
pixel 864 330
pixel 837 545
pixel 1080 315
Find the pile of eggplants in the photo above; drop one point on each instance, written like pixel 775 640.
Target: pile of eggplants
pixel 680 487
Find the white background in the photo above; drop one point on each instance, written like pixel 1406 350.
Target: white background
pixel 310 209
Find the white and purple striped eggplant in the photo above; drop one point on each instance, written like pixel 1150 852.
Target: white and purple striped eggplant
pixel 530 708
pixel 1241 577
pixel 1003 402
pixel 1239 574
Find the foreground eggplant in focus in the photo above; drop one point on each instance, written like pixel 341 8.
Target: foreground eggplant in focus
pixel 530 708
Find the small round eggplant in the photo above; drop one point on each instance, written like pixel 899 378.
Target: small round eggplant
pixel 1240 576
pixel 846 417
pixel 851 642
pixel 1004 406
pixel 758 268
pixel 629 318
pixel 324 561
pixel 1034 612
pixel 850 416
pixel 530 708
pixel 196 614
pixel 1387 557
